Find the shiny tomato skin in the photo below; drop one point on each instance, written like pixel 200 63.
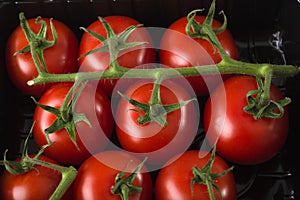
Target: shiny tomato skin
pixel 96 107
pixel 241 138
pixel 152 140
pixel 60 58
pixel 178 50
pixel 173 180
pixel 37 184
pixel 97 174
pixel 134 57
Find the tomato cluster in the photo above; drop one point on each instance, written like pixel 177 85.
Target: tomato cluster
pixel 106 128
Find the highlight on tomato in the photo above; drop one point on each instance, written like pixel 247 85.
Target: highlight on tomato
pixel 112 42
pixel 239 136
pixel 39 182
pixel 195 175
pixel 156 121
pixel 54 46
pixel 113 174
pixel 76 127
pixel 184 46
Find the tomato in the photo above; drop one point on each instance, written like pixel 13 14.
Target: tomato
pixel 38 183
pixel 178 50
pixel 94 104
pixel 130 58
pixel 60 58
pixel 157 142
pixel 96 176
pixel 240 138
pixel 174 179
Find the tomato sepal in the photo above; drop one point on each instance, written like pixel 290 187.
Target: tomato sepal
pixel 27 163
pixel 37 43
pixel 260 105
pixel 206 177
pixel 154 110
pixel 113 43
pixel 123 186
pixel 205 30
pixel 66 116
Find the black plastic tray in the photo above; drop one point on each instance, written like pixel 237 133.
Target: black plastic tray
pixel 265 31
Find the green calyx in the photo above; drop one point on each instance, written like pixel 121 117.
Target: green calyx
pixel 205 30
pixel 206 177
pixel 25 164
pixel 114 43
pixel 260 105
pixel 37 43
pixel 66 117
pixel 28 163
pixel 123 185
pixel 154 110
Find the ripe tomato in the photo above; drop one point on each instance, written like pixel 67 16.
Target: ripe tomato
pixel 152 140
pixel 60 58
pixel 96 176
pixel 178 50
pixel 240 138
pixel 38 183
pixel 174 179
pixel 94 104
pixel 130 58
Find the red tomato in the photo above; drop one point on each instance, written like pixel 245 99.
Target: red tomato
pixel 157 142
pixel 95 105
pixel 130 58
pixel 36 184
pixel 60 58
pixel 177 50
pixel 96 176
pixel 174 179
pixel 240 138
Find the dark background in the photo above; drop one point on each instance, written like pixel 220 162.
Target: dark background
pixel 264 30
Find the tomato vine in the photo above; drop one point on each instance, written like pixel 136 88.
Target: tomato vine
pixel 259 103
pixel 28 163
pixel 226 66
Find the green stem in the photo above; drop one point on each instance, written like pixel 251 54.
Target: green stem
pixel 68 176
pixel 30 38
pixel 124 192
pixel 155 97
pixel 205 30
pixel 27 163
pixel 207 177
pixel 37 43
pixel 123 185
pixel 265 96
pixel 210 189
pixel 228 66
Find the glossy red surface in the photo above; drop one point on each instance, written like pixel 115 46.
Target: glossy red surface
pixel 264 31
